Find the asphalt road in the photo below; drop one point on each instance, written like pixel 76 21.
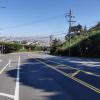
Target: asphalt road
pixel 38 76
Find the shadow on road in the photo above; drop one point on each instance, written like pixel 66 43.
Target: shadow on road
pixel 39 77
pixel 53 85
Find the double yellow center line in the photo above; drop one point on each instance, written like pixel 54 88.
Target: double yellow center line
pixel 72 77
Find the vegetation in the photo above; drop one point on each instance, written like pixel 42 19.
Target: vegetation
pixel 9 47
pixel 84 43
pixel 33 48
pixel 56 43
pixel 6 47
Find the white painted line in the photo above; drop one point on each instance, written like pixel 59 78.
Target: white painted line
pixel 17 81
pixel 0 60
pixel 7 95
pixel 9 62
pixel 4 68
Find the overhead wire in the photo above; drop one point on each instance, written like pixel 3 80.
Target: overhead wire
pixel 34 22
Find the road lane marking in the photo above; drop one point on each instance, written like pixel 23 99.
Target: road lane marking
pixel 12 61
pixel 0 60
pixel 7 95
pixel 86 72
pixel 74 74
pixel 17 81
pixel 73 78
pixel 9 62
pixel 4 68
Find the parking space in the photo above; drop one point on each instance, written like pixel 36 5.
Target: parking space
pixel 7 83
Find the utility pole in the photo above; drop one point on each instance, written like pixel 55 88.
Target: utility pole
pixel 70 17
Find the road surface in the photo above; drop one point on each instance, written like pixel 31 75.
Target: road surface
pixel 38 76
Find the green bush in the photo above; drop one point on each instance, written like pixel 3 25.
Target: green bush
pixel 9 47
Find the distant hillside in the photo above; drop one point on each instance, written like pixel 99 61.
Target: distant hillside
pixel 84 44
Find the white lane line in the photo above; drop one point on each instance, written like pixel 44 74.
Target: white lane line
pixel 9 62
pixel 0 60
pixel 17 81
pixel 7 95
pixel 4 68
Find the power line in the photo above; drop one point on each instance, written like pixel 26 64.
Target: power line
pixel 34 22
pixel 59 34
pixel 48 36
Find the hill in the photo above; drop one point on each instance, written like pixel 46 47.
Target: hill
pixel 83 44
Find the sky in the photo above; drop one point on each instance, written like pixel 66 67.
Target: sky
pixel 45 17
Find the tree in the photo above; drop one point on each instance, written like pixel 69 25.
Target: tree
pixel 55 44
pixel 77 28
